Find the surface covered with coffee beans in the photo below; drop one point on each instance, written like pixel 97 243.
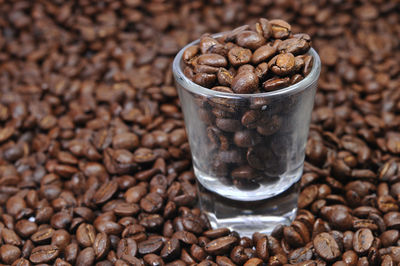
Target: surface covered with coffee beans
pixel 94 162
pixel 245 60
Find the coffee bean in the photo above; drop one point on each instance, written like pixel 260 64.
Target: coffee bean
pixel 101 245
pixel 280 28
pixel 152 202
pixel 105 192
pixel 362 240
pixel 127 249
pixel 85 235
pixel 263 53
pixel 250 39
pixel 61 238
pixel 150 246
pixel 275 83
pixel 43 254
pixel 220 245
pixel 245 82
pixel 254 262
pixel 214 60
pixel 171 249
pixel 326 247
pixel 246 138
pixel 239 56
pixel 282 64
pixel 9 253
pixel 85 257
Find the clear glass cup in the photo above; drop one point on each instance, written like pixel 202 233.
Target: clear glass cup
pixel 248 149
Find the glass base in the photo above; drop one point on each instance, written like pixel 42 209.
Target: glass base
pixel 247 217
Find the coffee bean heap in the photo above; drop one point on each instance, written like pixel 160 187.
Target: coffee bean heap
pixel 267 58
pixel 94 162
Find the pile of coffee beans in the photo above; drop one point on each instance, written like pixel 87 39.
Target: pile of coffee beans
pixel 94 162
pixel 243 60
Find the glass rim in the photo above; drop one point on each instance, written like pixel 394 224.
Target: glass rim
pixel 197 89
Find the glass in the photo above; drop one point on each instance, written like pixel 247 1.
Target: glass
pixel 248 149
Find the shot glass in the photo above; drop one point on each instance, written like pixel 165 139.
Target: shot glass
pixel 248 149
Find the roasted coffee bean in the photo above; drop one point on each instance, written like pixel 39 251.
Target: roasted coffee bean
pixel 262 249
pixel 85 235
pixel 220 245
pixel 362 240
pixel 9 253
pixel 246 138
pixel 150 246
pixel 61 238
pixel 280 28
pixel 216 233
pixel 43 254
pixel 275 83
pixel 101 245
pixel 262 54
pixel 245 172
pixel 228 125
pixel 245 82
pixel 214 60
pixel 171 249
pixel 127 249
pixel 282 64
pixel 250 39
pixel 238 56
pixel 326 247
pixel 86 257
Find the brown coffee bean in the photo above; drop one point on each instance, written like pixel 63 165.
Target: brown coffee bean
pixel 250 39
pixel 280 28
pixel 152 259
pixel 246 138
pixel 262 249
pixel 238 56
pixel 10 237
pixel 338 217
pixel 85 257
pixel 9 253
pixel 228 125
pixel 85 235
pixel 263 53
pixel 204 79
pixel 101 245
pixel 275 83
pixel 224 261
pixel 326 247
pixel 220 245
pixel 127 249
pixel 105 192
pixel 269 126
pixel 245 172
pixel 245 82
pixel 152 202
pixel 216 233
pixel 292 237
pixel 254 262
pixel 190 53
pixel 282 64
pixel 362 240
pixel 171 249
pixel 150 246
pixel 61 239
pixel 43 254
pixel 214 60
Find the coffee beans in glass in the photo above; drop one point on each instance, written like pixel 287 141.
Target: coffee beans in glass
pixel 247 106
